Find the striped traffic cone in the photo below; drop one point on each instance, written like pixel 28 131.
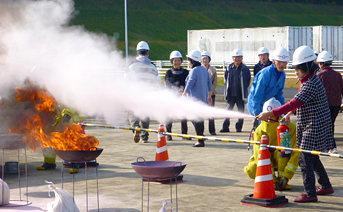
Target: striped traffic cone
pixel 162 155
pixel 161 150
pixel 264 193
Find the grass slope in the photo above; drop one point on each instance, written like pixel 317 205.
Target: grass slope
pixel 164 24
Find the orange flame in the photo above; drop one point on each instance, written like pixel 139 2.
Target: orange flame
pixel 37 122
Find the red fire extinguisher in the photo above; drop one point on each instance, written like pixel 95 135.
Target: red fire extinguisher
pixel 284 138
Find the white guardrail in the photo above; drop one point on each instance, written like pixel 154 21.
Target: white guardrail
pixel 164 65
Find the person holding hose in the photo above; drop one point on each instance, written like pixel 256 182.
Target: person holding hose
pixel 284 165
pixel 314 130
pixel 268 83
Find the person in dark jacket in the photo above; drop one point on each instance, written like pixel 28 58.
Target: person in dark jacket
pixel 175 80
pixel 237 80
pixel 263 55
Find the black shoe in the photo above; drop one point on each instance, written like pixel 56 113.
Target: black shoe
pixel 199 144
pixel 222 130
pixel 238 130
pixel 213 133
pixel 169 138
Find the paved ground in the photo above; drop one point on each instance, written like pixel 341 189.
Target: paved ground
pixel 213 178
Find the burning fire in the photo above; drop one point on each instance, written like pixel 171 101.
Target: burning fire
pixel 33 112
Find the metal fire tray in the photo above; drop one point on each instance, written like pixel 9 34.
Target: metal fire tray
pixel 158 169
pixel 78 156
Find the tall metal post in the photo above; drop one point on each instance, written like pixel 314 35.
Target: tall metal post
pixel 126 37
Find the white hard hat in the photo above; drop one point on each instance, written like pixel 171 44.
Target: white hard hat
pixel 317 53
pixel 194 55
pixel 143 45
pixel 325 56
pixel 271 104
pixel 263 50
pixel 303 54
pixel 175 54
pixel 205 54
pixel 237 52
pixel 281 54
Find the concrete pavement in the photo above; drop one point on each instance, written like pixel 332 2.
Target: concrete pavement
pixel 213 178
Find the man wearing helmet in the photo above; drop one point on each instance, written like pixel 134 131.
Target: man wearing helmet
pixel 205 61
pixel 314 130
pixel 237 80
pixel 269 82
pixel 263 55
pixel 143 70
pixel 283 165
pixel 175 79
pixel 333 83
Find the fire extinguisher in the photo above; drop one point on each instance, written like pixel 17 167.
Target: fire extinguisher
pixel 284 138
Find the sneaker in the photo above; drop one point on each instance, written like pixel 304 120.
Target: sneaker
pixel 223 130
pixel 136 136
pixel 324 191
pixel 305 198
pixel 333 151
pixel 46 166
pixel 238 130
pixel 169 138
pixel 213 133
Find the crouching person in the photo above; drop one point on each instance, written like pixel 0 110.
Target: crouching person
pixel 283 165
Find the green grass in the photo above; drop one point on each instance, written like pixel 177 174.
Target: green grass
pixel 164 24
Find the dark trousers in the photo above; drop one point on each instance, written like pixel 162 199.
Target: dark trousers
pixel 211 126
pixel 240 105
pixel 199 128
pixel 184 127
pixel 310 165
pixel 334 110
pixel 135 122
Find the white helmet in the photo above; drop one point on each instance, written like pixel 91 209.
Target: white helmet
pixel 303 54
pixel 237 52
pixel 324 56
pixel 317 53
pixel 271 104
pixel 143 45
pixel 205 54
pixel 175 54
pixel 194 55
pixel 281 54
pixel 263 50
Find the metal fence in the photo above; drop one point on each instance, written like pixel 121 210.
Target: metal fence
pixel 164 65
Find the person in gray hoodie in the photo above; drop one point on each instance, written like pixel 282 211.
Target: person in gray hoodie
pixel 143 70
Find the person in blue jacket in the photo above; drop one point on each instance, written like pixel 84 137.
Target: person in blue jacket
pixel 269 82
pixel 198 87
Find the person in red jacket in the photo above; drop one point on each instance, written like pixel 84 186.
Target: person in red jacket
pixel 333 83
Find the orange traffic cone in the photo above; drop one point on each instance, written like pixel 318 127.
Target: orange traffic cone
pixel 161 150
pixel 264 193
pixel 162 155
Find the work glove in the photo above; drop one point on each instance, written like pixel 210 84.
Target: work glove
pixel 283 182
